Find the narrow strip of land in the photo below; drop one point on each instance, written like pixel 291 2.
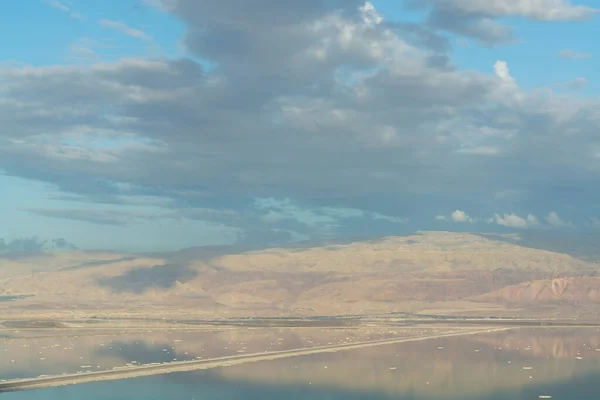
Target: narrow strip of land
pixel 186 366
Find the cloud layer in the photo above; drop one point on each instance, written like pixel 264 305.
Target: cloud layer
pixel 322 102
pixel 479 19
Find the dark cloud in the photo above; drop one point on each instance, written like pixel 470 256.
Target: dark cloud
pixel 421 36
pixel 31 244
pixel 61 243
pixel 94 216
pixel 478 19
pixel 34 244
pixel 484 29
pixel 121 217
pixel 269 238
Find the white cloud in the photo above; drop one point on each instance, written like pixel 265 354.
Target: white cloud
pixel 543 10
pixel 324 219
pixel 123 28
pixel 77 15
pixel 84 49
pixel 280 210
pixel 568 53
pixel 480 150
pixel 461 216
pixel 64 8
pixel 512 220
pixel 483 19
pixel 554 220
pixel 440 218
pixel 575 84
pixel 57 4
pixel 502 72
pixel 370 14
pixel 395 220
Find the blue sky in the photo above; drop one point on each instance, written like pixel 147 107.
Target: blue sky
pixel 48 34
pixel 157 125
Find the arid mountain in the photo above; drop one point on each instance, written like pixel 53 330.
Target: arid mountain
pixel 576 290
pixel 581 245
pixel 454 273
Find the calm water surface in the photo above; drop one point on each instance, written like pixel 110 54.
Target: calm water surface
pixel 28 354
pixel 515 365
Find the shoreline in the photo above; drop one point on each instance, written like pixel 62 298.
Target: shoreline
pixel 187 366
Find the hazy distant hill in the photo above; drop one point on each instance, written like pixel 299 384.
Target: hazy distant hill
pixel 433 272
pixel 585 246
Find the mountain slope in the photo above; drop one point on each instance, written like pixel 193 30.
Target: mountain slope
pixel 438 270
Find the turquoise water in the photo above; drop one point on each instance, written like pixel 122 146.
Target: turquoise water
pixel 513 365
pixel 204 386
pixel 10 298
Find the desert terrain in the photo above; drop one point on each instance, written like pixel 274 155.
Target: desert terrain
pixel 439 273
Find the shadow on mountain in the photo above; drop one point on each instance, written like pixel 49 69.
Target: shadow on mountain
pixel 139 280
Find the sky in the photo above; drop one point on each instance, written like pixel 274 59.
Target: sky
pixel 153 125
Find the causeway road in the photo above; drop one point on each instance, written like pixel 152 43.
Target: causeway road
pixel 186 366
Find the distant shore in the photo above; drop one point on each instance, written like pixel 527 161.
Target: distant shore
pixel 286 322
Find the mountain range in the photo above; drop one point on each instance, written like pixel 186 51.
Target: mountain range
pixel 427 272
